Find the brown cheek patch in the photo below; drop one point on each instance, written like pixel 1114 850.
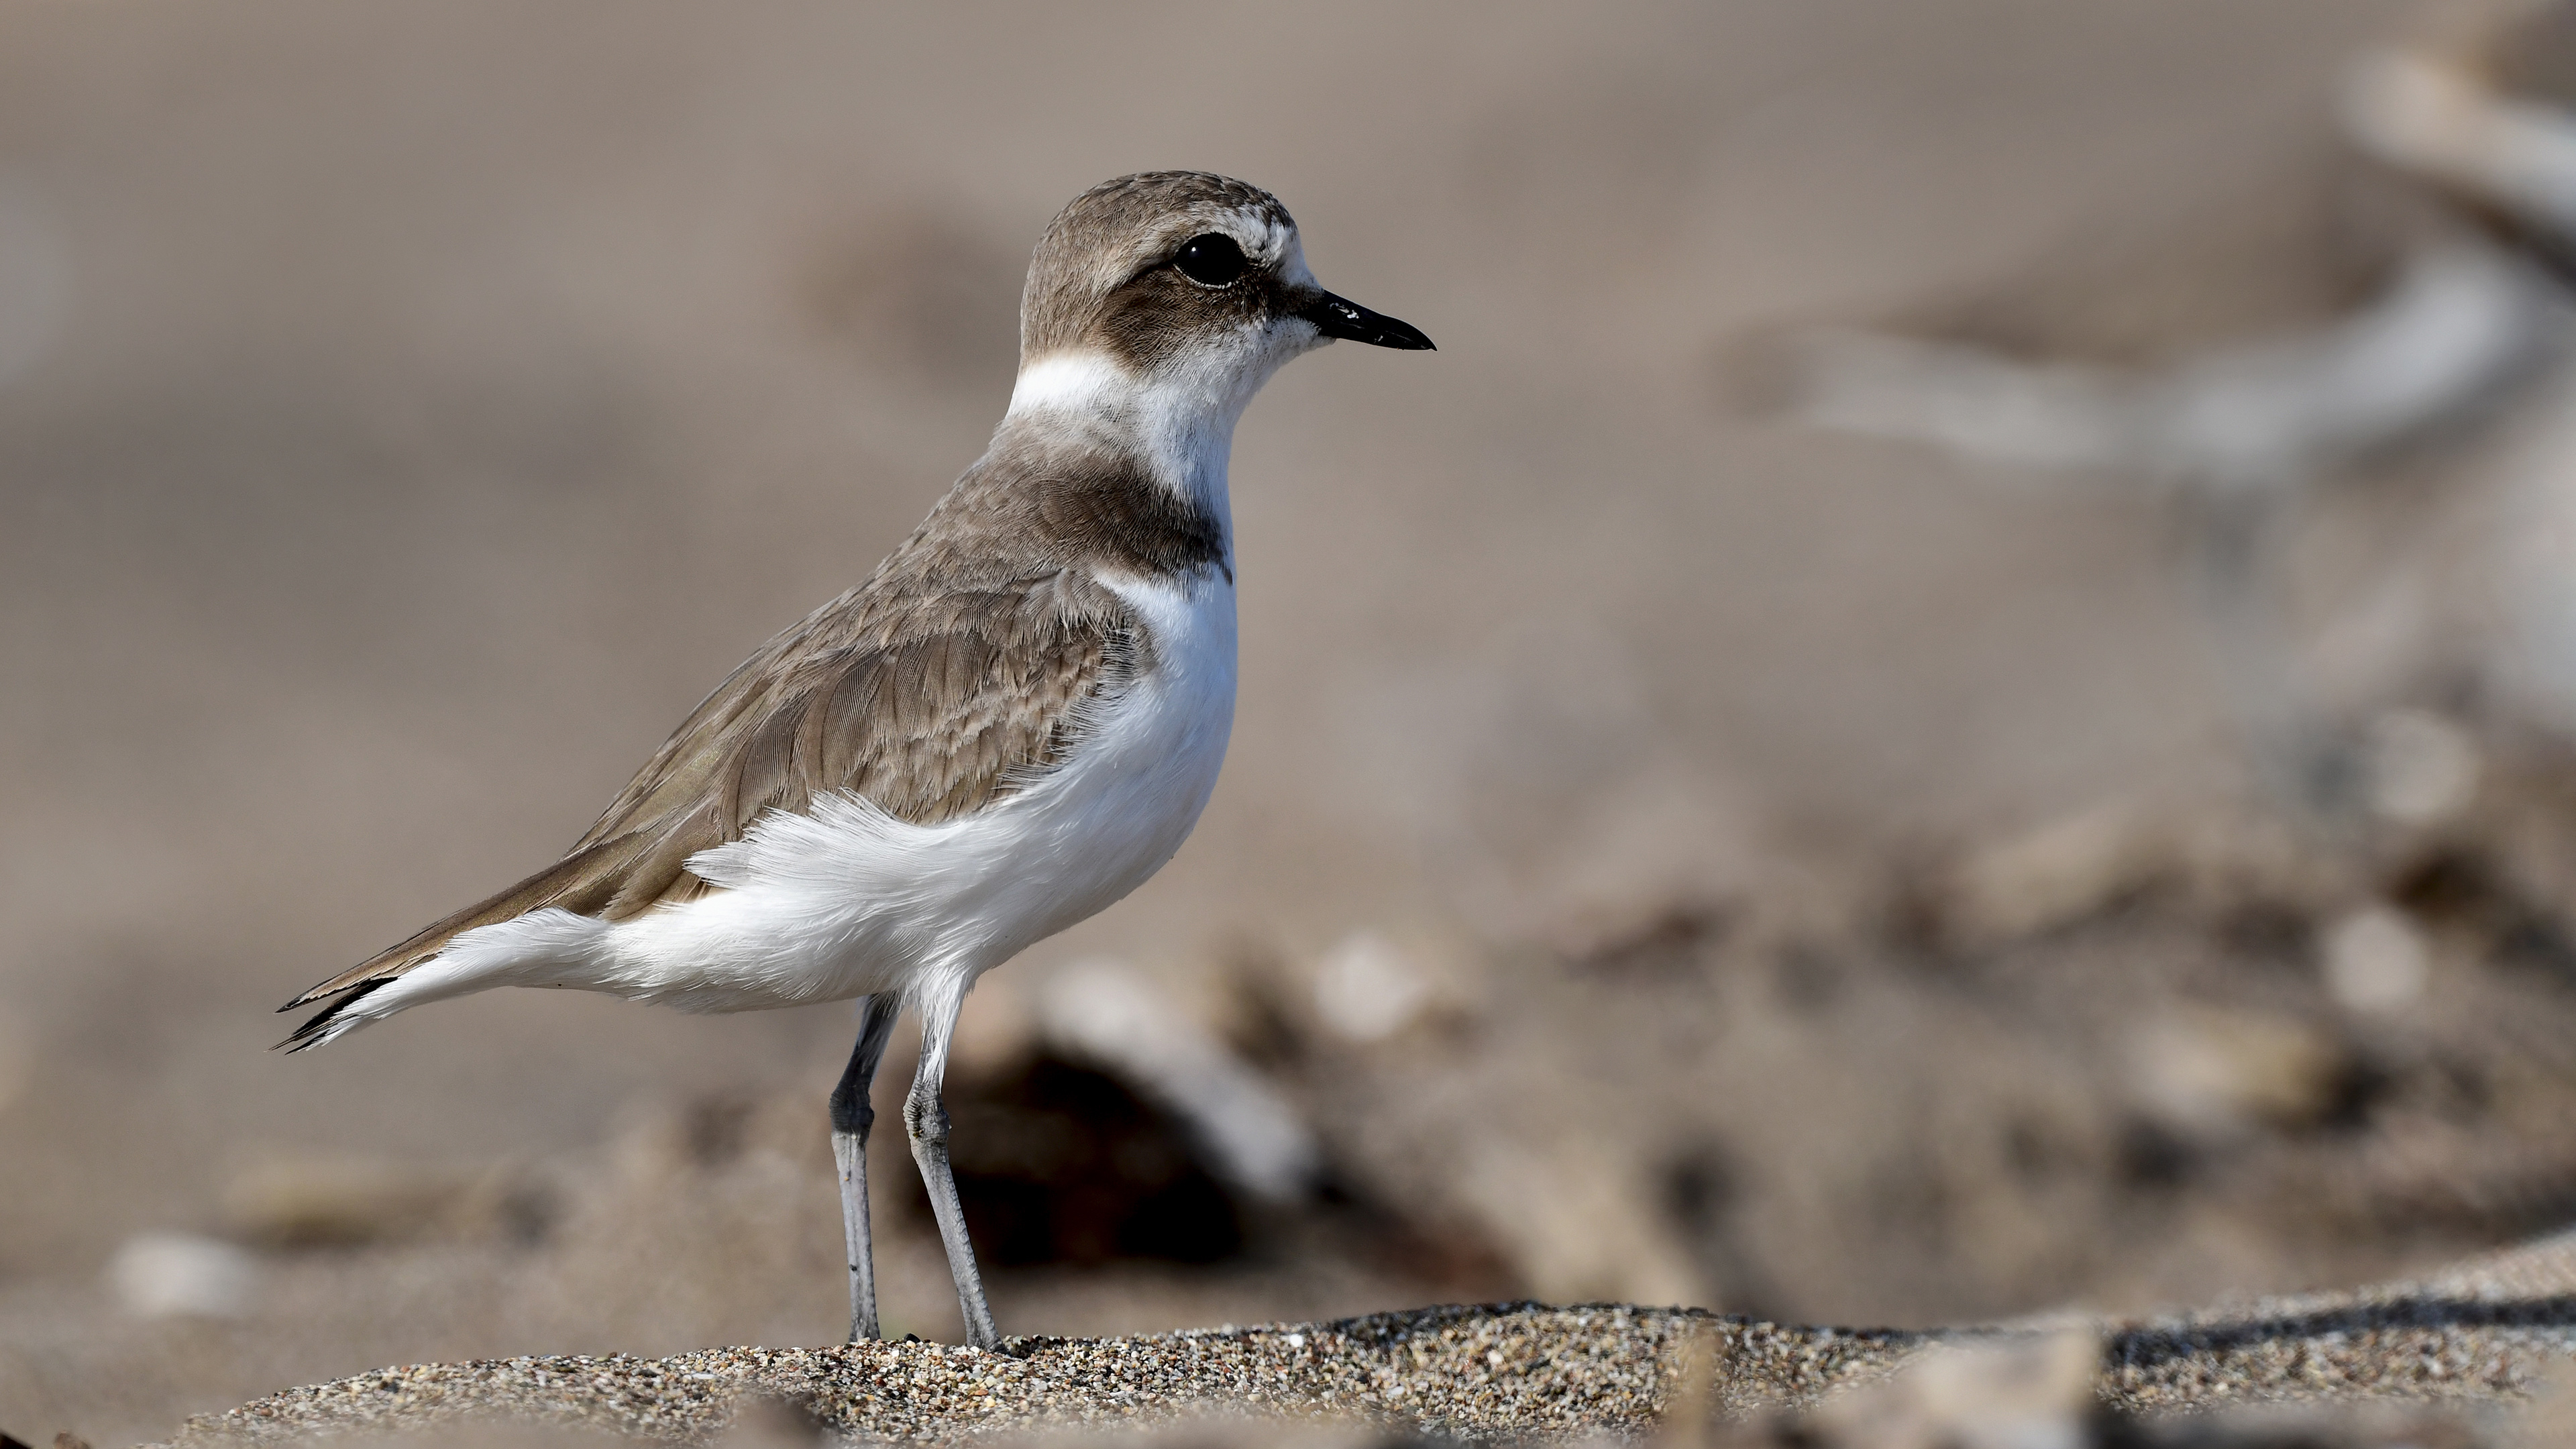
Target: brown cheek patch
pixel 1162 313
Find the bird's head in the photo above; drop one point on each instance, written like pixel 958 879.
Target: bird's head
pixel 1180 290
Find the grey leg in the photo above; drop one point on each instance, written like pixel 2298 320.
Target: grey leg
pixel 926 1122
pixel 851 1118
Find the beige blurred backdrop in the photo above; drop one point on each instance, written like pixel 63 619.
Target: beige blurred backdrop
pixel 408 410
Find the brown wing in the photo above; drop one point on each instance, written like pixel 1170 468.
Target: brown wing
pixel 929 711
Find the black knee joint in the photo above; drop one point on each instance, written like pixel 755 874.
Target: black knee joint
pixel 851 1113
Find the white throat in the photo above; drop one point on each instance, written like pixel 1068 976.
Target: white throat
pixel 1179 420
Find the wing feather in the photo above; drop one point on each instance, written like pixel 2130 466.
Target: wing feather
pixel 928 707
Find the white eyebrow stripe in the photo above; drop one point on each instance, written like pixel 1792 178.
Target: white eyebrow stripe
pixel 1292 264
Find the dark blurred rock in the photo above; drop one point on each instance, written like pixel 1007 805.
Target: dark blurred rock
pixel 1243 1128
pixel 1059 1162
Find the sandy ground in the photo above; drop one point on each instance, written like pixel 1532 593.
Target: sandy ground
pixel 2488 1333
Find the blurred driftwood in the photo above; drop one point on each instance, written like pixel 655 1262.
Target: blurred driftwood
pixel 2460 320
pixel 2236 434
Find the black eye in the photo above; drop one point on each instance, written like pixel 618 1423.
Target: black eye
pixel 1212 260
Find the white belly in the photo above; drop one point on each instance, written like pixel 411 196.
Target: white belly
pixel 848 901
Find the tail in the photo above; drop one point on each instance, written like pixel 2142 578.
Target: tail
pixel 328 1022
pixel 580 884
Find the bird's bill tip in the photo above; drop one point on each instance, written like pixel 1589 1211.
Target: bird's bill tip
pixel 1342 318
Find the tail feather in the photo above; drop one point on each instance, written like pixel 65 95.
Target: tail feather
pixel 582 882
pixel 320 1027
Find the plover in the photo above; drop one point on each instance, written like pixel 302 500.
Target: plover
pixel 1011 724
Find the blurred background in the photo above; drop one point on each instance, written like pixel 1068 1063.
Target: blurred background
pixel 1952 697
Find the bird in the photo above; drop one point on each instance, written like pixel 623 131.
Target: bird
pixel 1010 724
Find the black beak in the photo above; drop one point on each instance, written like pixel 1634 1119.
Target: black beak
pixel 1335 317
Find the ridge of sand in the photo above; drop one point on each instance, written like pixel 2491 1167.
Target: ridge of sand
pixel 2482 1331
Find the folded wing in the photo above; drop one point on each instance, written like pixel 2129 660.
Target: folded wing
pixel 928 708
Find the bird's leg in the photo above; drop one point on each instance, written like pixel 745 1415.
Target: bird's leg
pixel 851 1118
pixel 926 1122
